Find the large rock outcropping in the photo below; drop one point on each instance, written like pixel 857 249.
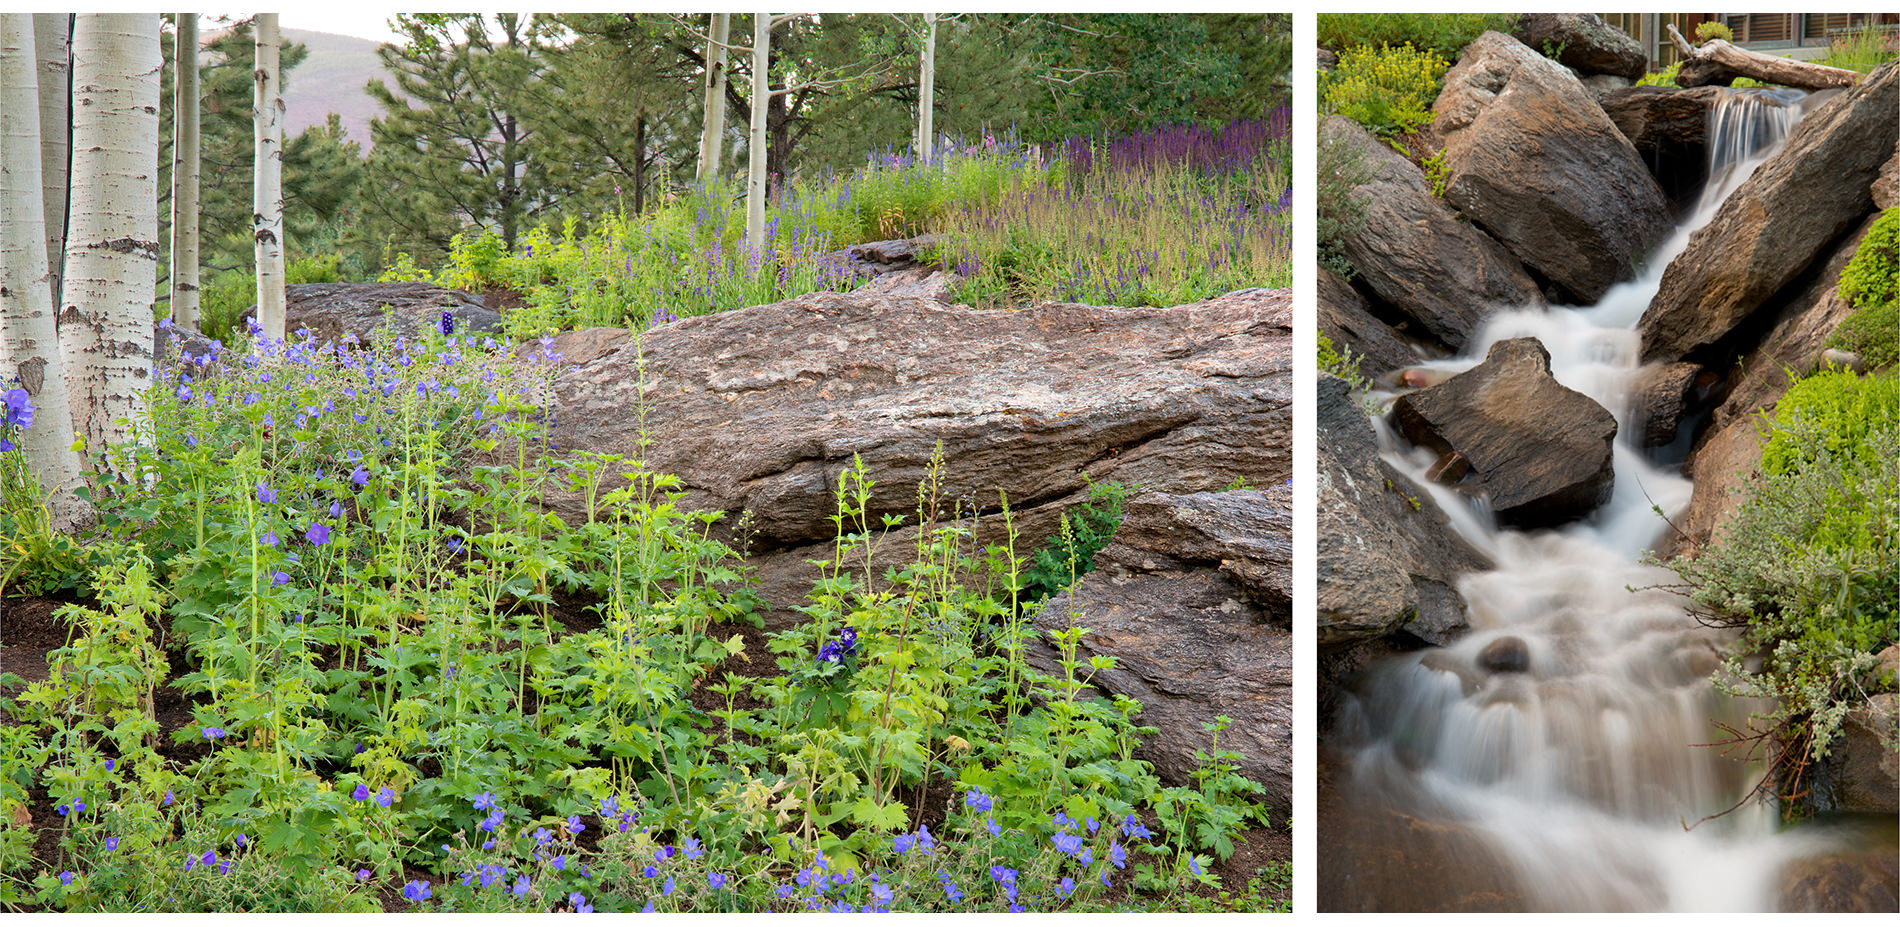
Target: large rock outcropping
pixel 1539 450
pixel 1194 600
pixel 761 409
pixel 1533 159
pixel 1787 212
pixel 1416 256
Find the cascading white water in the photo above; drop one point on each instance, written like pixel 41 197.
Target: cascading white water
pixel 1585 771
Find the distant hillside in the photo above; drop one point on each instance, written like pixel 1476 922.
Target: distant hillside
pixel 331 80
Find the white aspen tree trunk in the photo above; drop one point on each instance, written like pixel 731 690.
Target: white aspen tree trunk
pixel 53 45
pixel 105 316
pixel 712 134
pixel 185 166
pixel 26 294
pixel 755 146
pixel 927 91
pixel 267 189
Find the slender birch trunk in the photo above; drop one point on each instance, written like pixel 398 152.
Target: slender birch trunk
pixel 185 166
pixel 712 134
pixel 755 148
pixel 26 294
pixel 53 44
pixel 105 316
pixel 267 185
pixel 927 91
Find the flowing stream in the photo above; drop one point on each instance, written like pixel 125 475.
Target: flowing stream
pixel 1586 774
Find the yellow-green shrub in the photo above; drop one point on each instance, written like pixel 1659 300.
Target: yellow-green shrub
pixel 1388 90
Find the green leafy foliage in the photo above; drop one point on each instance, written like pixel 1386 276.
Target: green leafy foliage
pixel 1860 50
pixel 1805 564
pixel 1067 555
pixel 1710 29
pixel 1442 34
pixel 400 673
pixel 1388 89
pixel 1342 208
pixel 1871 284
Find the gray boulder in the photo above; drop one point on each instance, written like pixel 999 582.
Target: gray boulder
pixel 332 310
pixel 1588 44
pixel 1194 600
pixel 1533 159
pixel 1540 451
pixel 1817 187
pixel 1416 256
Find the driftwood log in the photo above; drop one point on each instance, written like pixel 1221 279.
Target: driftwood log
pixel 1718 62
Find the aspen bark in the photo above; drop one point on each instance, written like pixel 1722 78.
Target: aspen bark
pixel 26 295
pixel 105 316
pixel 712 134
pixel 267 184
pixel 927 91
pixel 755 147
pixel 185 166
pixel 53 45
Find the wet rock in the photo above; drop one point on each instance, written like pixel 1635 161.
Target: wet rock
pixel 1539 450
pixel 1720 466
pixel 1193 599
pixel 1669 128
pixel 1774 225
pixel 332 310
pixel 1863 762
pixel 1887 186
pixel 1415 255
pixel 1799 320
pixel 1375 858
pixel 1506 655
pixel 1865 882
pixel 1387 559
pixel 1346 318
pixel 1450 468
pixel 1533 159
pixel 1661 395
pixel 761 409
pixel 1588 44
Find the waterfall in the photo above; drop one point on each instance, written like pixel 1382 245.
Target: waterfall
pixel 1587 774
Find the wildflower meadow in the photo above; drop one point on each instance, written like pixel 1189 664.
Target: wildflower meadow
pixel 326 652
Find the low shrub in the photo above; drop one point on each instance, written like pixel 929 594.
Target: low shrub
pixel 1342 209
pixel 1710 29
pixel 1442 34
pixel 1388 89
pixel 1805 564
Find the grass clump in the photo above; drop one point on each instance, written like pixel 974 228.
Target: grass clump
pixel 1862 50
pixel 1160 218
pixel 1805 565
pixel 1441 34
pixel 1387 89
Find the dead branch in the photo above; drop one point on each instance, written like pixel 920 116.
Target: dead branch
pixel 1719 63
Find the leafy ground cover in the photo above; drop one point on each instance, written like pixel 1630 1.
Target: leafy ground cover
pixel 1158 218
pixel 325 653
